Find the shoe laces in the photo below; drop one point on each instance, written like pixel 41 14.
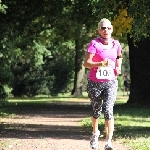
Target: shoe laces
pixel 94 138
pixel 109 145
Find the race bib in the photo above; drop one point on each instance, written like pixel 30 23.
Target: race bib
pixel 105 73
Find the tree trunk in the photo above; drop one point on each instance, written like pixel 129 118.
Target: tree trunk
pixel 139 56
pixel 79 69
pixel 79 82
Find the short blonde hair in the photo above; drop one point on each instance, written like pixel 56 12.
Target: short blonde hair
pixel 102 21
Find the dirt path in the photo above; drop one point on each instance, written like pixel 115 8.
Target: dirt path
pixel 48 127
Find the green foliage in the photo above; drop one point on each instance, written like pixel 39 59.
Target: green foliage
pixel 61 66
pixel 3 94
pixel 141 22
pixel 127 17
pixel 40 72
pixel 29 38
pixel 36 42
pixel 29 76
pixel 37 54
pixel 3 7
pixel 29 81
pixel 120 82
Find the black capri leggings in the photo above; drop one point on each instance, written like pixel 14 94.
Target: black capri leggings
pixel 102 94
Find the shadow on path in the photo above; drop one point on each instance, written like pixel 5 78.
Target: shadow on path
pixel 46 121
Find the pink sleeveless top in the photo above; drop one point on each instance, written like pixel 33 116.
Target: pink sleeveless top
pixel 101 53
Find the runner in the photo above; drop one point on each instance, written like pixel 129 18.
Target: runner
pixel 103 59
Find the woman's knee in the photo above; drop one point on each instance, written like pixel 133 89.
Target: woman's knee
pixel 97 109
pixel 96 115
pixel 108 115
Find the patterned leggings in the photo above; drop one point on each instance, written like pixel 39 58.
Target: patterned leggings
pixel 102 95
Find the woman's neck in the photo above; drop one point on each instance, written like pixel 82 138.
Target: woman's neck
pixel 105 41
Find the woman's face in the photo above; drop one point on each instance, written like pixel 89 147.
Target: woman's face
pixel 105 30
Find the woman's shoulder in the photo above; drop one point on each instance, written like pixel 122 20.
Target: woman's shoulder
pixel 116 41
pixel 95 41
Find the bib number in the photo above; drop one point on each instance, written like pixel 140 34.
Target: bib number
pixel 105 73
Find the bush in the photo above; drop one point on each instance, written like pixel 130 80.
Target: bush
pixel 3 93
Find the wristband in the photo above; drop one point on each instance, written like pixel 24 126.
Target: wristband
pixel 117 67
pixel 102 64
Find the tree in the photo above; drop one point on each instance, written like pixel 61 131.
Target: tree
pixel 26 44
pixel 4 76
pixel 133 22
pixel 21 43
pixel 78 23
pixel 75 21
pixel 139 53
pixel 73 26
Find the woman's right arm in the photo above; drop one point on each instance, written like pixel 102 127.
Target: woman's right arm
pixel 88 62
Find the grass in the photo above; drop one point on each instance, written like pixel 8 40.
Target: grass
pixel 60 98
pixel 132 126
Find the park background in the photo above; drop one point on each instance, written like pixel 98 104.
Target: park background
pixel 43 44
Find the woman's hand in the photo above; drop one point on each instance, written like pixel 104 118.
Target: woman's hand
pixel 104 63
pixel 109 62
pixel 118 71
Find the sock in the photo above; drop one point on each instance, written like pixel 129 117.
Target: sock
pixel 97 133
pixel 108 142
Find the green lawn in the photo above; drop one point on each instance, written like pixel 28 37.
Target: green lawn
pixel 132 126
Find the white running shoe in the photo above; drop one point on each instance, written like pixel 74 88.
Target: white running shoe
pixel 108 147
pixel 94 140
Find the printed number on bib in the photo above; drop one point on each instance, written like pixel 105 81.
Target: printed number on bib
pixel 105 73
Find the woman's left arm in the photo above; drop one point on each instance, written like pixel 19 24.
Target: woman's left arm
pixel 119 63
